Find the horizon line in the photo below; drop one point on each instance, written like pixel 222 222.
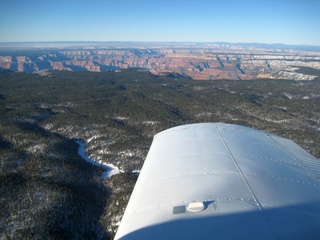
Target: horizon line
pixel 183 42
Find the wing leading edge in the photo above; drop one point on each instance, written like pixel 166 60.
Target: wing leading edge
pixel 223 181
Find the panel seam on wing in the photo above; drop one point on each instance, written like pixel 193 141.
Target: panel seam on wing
pixel 284 179
pixel 296 163
pixel 239 169
pixel 295 157
pixel 247 184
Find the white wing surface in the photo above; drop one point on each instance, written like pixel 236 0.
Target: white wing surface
pixel 223 181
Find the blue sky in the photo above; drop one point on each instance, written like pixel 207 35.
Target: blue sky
pixel 269 21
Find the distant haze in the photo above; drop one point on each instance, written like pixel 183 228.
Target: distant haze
pixel 272 21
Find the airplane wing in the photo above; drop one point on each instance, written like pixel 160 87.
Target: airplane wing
pixel 224 181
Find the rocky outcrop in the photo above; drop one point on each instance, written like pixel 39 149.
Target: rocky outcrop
pixel 205 62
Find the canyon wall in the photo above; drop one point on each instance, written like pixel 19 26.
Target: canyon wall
pixel 209 62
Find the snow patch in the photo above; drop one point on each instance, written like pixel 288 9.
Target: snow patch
pixel 136 172
pixel 110 169
pixel 150 122
pixel 289 96
pixel 93 138
pixel 126 153
pixel 36 148
pixel 48 126
pixel 119 118
pixel 117 224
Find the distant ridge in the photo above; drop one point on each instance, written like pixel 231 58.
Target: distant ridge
pixel 195 60
pixel 301 47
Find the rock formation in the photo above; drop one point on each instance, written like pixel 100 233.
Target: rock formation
pixel 204 62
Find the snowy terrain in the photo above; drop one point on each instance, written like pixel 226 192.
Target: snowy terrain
pixel 110 169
